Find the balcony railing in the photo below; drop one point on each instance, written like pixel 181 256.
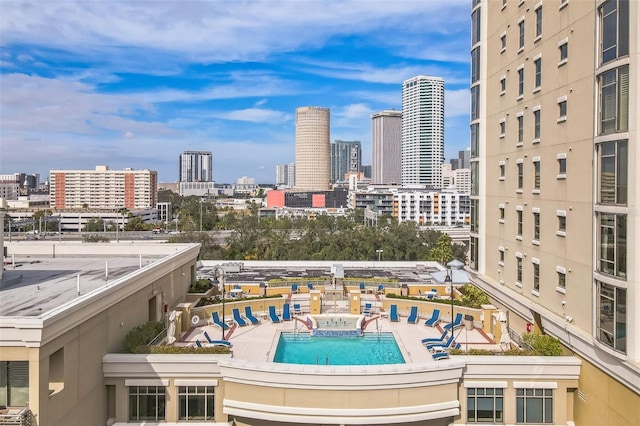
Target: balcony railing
pixel 17 416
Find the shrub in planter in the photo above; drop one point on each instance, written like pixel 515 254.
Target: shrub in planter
pixel 543 344
pixel 137 339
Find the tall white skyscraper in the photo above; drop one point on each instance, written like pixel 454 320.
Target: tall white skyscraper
pixel 422 130
pixel 196 166
pixel 386 142
pixel 312 148
pixel 286 175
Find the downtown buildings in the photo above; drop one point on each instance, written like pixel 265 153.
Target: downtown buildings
pixel 554 228
pixel 346 157
pixel 312 149
pixel 422 131
pixel 195 173
pixel 386 144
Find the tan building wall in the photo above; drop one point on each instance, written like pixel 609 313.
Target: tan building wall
pixel 312 148
pixel 609 387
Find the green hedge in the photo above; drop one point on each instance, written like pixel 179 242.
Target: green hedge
pixel 188 350
pixel 201 286
pixel 137 339
pixel 422 299
pixel 215 300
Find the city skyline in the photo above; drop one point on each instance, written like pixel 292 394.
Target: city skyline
pixel 122 83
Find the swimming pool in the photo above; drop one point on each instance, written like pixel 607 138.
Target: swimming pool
pixel 370 349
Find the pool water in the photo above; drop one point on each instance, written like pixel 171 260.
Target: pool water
pixel 370 349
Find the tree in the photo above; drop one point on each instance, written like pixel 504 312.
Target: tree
pixel 442 252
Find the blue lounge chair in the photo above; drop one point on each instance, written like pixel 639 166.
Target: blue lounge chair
pixel 430 340
pixel 435 318
pixel 368 307
pixel 297 310
pixel 286 312
pixel 393 314
pixel 216 320
pixel 440 356
pixel 362 288
pixel 198 344
pixel 380 289
pixel 457 322
pixel 238 318
pixel 413 315
pixel 272 314
pixel 250 316
pixel 445 345
pixel 294 288
pixel 310 286
pixel 213 342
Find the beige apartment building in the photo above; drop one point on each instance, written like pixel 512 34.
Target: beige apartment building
pixel 554 199
pixel 103 188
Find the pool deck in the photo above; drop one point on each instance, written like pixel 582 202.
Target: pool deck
pixel 257 342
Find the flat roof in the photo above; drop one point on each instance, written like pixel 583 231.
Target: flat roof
pixel 37 285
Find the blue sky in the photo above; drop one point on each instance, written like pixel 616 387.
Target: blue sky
pixel 133 84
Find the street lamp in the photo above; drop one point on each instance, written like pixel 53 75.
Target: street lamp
pixel 455 264
pixel 379 251
pixel 220 274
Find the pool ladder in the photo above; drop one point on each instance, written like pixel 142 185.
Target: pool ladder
pixel 326 359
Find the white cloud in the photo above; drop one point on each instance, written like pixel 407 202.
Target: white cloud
pixel 456 102
pixel 254 115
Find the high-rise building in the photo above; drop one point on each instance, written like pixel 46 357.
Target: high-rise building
pixel 553 197
pixel 196 166
pixel 386 143
pixel 346 157
pixel 312 148
pixel 286 175
pixel 422 131
pixel 103 188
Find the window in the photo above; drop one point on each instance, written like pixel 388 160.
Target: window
pixel 562 110
pixel 501 256
pixel 195 402
pixel 503 85
pixel 475 102
pixel 612 317
pixel 562 165
pixel 485 405
pixel 614 29
pixel 520 128
pixel 501 214
pixel 14 383
pixel 147 403
pixel 613 166
pixel 536 174
pixel 475 65
pixel 612 239
pixel 475 26
pixel 519 270
pixel 536 125
pixel 475 181
pixel 521 34
pixel 519 216
pixel 539 22
pixel 562 280
pixel 536 226
pixel 474 140
pixel 520 175
pixel 614 100
pixel 521 82
pixel 503 128
pixel 536 277
pixel 503 42
pixel 473 207
pixel 538 77
pixel 562 223
pixel 502 170
pixel 534 406
pixel 473 253
pixel 563 48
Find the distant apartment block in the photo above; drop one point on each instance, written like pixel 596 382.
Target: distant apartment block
pixel 312 149
pixel 432 208
pixel 336 198
pixel 286 175
pixel 196 166
pixel 456 179
pixel 386 144
pixel 346 157
pixel 103 188
pixel 422 131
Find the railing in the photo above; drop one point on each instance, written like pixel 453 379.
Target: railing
pixel 517 339
pixel 156 340
pixel 17 417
